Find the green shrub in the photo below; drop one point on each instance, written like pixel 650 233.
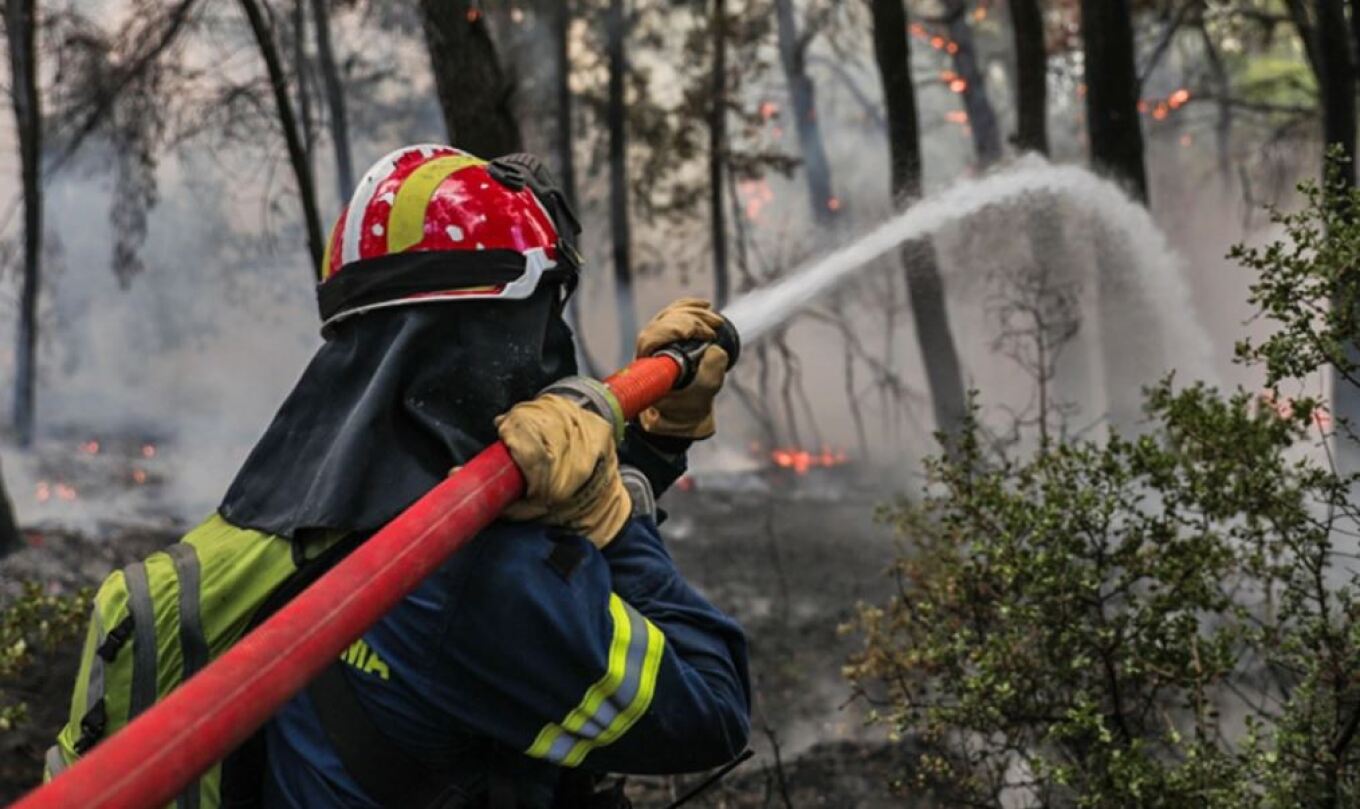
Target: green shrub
pixel 1166 621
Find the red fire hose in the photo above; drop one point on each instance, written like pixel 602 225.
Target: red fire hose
pixel 160 752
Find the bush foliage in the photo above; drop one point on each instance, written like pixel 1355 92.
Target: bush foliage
pixel 1166 620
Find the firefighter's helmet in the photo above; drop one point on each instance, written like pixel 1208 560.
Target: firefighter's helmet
pixel 432 223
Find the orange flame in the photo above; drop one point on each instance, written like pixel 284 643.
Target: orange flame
pixel 802 461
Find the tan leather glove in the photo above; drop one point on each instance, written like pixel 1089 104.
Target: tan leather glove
pixel 570 466
pixel 688 412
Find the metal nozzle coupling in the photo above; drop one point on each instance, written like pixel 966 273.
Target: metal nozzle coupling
pixel 689 353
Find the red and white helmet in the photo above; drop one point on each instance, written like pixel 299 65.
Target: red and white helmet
pixel 430 223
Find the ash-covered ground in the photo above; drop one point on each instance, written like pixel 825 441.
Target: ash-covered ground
pixel 788 555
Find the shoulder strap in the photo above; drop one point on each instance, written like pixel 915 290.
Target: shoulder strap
pixel 243 770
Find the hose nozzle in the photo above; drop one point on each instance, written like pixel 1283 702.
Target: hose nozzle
pixel 688 353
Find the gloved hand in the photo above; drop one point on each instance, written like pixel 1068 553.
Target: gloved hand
pixel 570 466
pixel 688 412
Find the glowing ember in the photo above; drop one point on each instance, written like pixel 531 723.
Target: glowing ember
pixel 768 110
pixel 1178 99
pixel 958 85
pixel 65 492
pixel 139 476
pixel 90 447
pixel 802 461
pixel 148 450
pixel 473 14
pixel 937 42
pixel 952 48
pixel 1160 112
pixel 43 493
pixel 957 117
pixel 517 14
pixel 833 203
pixel 1283 407
pixel 756 194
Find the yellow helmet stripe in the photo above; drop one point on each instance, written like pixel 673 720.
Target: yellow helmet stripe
pixel 326 254
pixel 406 223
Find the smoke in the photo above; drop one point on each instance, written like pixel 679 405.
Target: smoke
pixel 200 350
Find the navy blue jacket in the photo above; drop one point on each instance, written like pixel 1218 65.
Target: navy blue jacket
pixel 614 664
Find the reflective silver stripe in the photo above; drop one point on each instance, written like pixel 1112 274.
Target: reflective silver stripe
pixel 94 689
pixel 614 703
pixel 143 639
pixel 191 640
pixel 188 799
pixel 56 761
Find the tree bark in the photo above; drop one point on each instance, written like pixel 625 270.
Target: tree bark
pixel 21 23
pixel 292 136
pixel 302 79
pixel 1336 80
pixel 717 144
pixel 566 160
pixel 335 99
pixel 925 287
pixel 1112 121
pixel 982 121
pixel 473 91
pixel 10 538
pixel 803 96
pixel 618 181
pixel 1031 60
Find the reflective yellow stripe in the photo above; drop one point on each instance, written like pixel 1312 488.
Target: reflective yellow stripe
pixel 602 688
pixel 634 662
pixel 656 644
pixel 406 223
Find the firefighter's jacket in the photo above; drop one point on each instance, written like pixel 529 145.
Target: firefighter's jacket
pixel 553 653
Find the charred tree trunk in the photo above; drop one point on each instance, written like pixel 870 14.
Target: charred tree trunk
pixel 717 144
pixel 10 538
pixel 474 93
pixel 292 135
pixel 618 181
pixel 982 119
pixel 566 159
pixel 303 79
pixel 924 285
pixel 21 23
pixel 1112 94
pixel 1336 80
pixel 1031 62
pixel 335 99
pixel 803 96
pixel 565 146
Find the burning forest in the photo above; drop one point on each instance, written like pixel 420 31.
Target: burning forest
pixel 884 403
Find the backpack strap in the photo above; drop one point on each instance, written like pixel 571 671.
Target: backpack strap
pixel 243 771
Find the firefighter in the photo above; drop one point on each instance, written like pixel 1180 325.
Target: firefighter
pixel 562 644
